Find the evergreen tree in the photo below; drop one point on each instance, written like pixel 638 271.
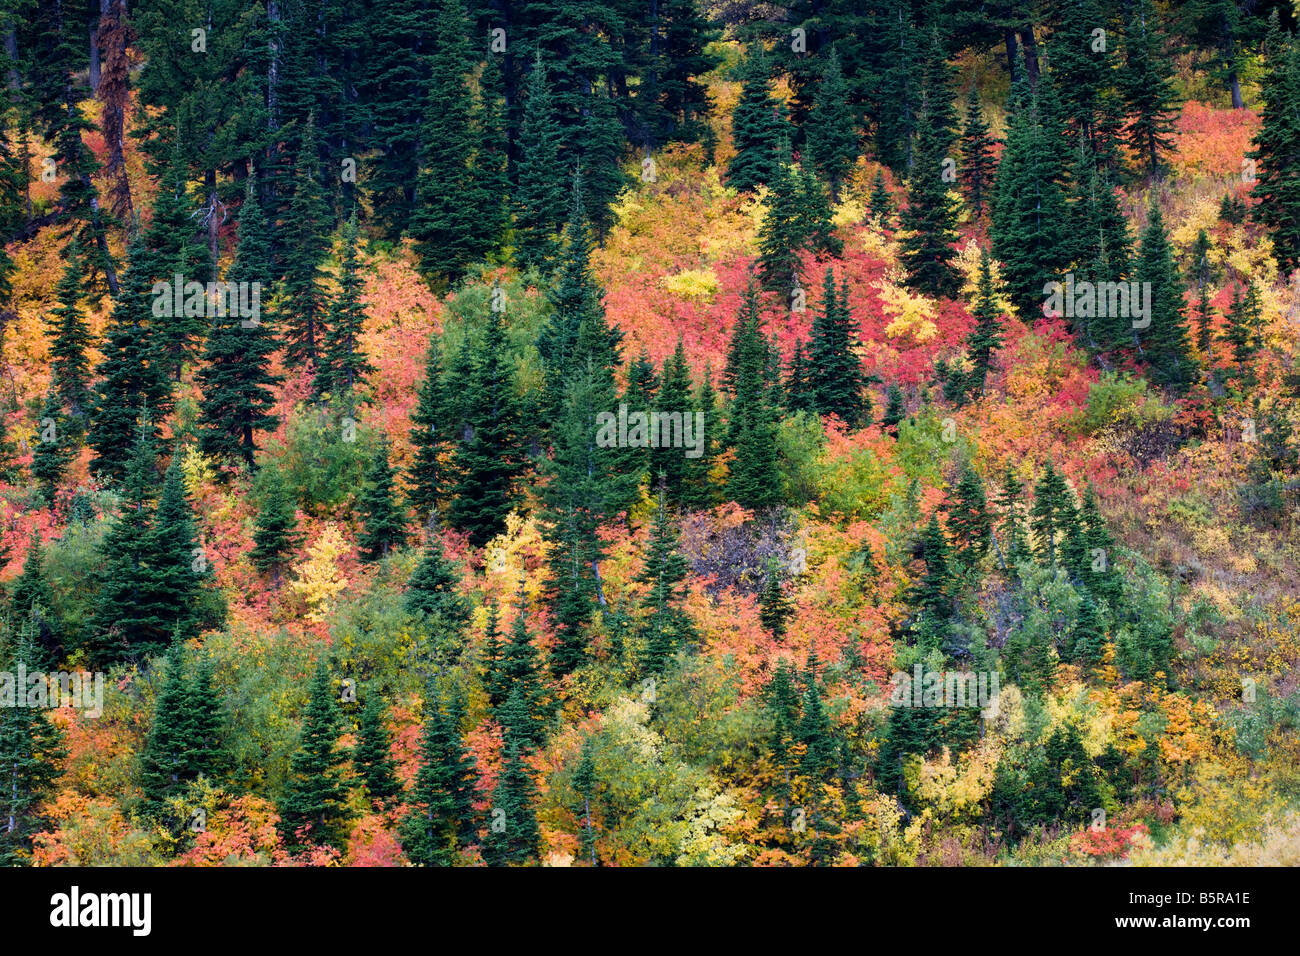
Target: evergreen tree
pixel 1008 501
pixel 835 378
pixel 430 436
pixel 372 757
pixel 1277 147
pixel 520 678
pixel 1162 341
pixel 1052 505
pixel 165 767
pixel 757 127
pixel 205 724
pixel 54 449
pixel 433 587
pixel 816 766
pixel 314 797
pixel 798 390
pixel 305 226
pixel 1241 333
pixel 931 596
pixel 968 518
pixel 895 408
pixel 512 834
pixel 70 340
pixel 32 600
pixel 882 207
pixel 775 606
pixel 178 568
pixel 830 129
pixel 539 196
pixel 666 627
pixel 986 337
pixel 754 481
pixel 977 163
pixel 1029 215
pixel 343 365
pixel 444 221
pixel 236 379
pixel 31 755
pixel 1146 83
pixel 275 533
pixel 699 490
pixel 383 525
pixel 674 395
pixel 784 228
pixel 441 819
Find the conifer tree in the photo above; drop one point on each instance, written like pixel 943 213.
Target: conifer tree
pixel 343 365
pixel 70 339
pixel 784 228
pixel 1241 334
pixel 512 835
pixel 798 390
pixel 31 759
pixel 930 218
pixel 986 337
pixel 1146 83
pixel 1049 515
pixel 32 600
pixel 1029 213
pixel 275 534
pixel 494 679
pixel 830 129
pixel 441 819
pixel 881 205
pixel 372 757
pixel 444 221
pixel 236 379
pixel 1008 501
pixel 835 378
pixel 896 87
pixel 1277 147
pixel 433 587
pixel 1163 340
pixel 754 481
pixel 895 408
pixel 968 518
pixel 206 722
pixel 977 164
pixel 816 765
pixel 699 490
pixel 165 761
pixel 383 525
pixel 775 606
pixel 666 627
pixel 931 597
pixel 179 570
pixel 671 464
pixel 757 127
pixel 54 449
pixel 430 437
pixel 303 299
pixel 539 196
pixel 314 797
pixel 488 458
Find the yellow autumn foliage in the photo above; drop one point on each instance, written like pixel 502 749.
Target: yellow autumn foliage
pixel 318 580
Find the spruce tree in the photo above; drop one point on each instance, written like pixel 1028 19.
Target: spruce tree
pixel 275 533
pixel 343 365
pixel 430 437
pixel 539 196
pixel 1049 515
pixel 303 300
pixel 70 340
pixel 775 606
pixel 441 819
pixel 968 518
pixel 383 524
pixel 372 757
pixel 931 596
pixel 314 798
pixel 1010 530
pixel 835 378
pixel 666 627
pixel 757 127
pixel 31 755
pixel 784 228
pixel 986 337
pixel 880 203
pixel 513 836
pixel 433 588
pixel 895 408
pixel 754 481
pixel 54 449
pixel 1277 147
pixel 1163 339
pixel 977 163
pixel 165 760
pixel 236 379
pixel 674 395
pixel 1240 333
pixel 1146 83
pixel 830 130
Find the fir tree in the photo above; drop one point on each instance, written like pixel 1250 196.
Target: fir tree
pixel 236 379
pixel 31 755
pixel 383 525
pixel 1240 332
pixel 784 228
pixel 1012 547
pixel 539 197
pixel 165 760
pixel 314 797
pixel 977 164
pixel 968 518
pixel 1162 337
pixel 1146 83
pixel 882 207
pixel 666 627
pixel 178 568
pixel 895 409
pixel 305 227
pixel 986 337
pixel 442 811
pixel 70 340
pixel 434 585
pixel 830 129
pixel 835 378
pixel 1277 147
pixel 674 395
pixel 775 606
pixel 757 127
pixel 54 449
pixel 931 596
pixel 512 834
pixel 372 757
pixel 754 481
pixel 275 533
pixel 430 437
pixel 1052 505
pixel 343 365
